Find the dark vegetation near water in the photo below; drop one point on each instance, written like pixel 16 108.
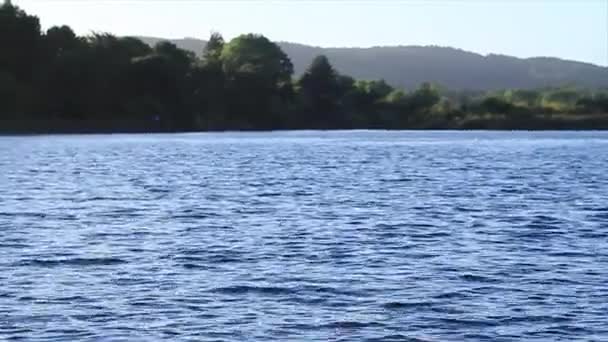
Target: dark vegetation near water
pixel 56 81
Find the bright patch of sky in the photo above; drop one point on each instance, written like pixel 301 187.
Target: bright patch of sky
pixel 569 29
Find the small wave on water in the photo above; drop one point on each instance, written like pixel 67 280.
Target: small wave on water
pixel 261 290
pixel 406 305
pixel 478 278
pixel 72 262
pixel 351 325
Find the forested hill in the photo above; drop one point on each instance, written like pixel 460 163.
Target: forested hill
pixel 409 66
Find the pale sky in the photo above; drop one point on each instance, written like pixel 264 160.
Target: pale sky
pixel 570 29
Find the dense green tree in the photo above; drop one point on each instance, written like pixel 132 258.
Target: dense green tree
pixel 496 105
pixel 258 76
pixel 530 98
pixel 8 94
pixel 562 98
pixel 424 98
pixel 61 39
pixel 21 40
pixel 597 103
pixel 208 86
pixel 368 94
pixel 376 90
pixel 320 92
pixel 70 82
pixel 213 50
pixel 180 59
pixel 254 56
pixel 397 96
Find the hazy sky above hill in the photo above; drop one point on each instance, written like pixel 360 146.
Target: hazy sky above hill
pixel 570 29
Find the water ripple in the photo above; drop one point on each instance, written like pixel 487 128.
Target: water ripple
pixel 305 236
pixel 72 262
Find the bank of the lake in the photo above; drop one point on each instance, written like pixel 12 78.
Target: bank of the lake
pixel 480 122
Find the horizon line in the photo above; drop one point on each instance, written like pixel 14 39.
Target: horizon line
pixel 367 47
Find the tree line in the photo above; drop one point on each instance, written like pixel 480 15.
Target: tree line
pixel 100 81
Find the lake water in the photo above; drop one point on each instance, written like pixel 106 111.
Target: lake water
pixel 307 236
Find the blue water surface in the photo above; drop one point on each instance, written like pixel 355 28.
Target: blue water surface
pixel 305 236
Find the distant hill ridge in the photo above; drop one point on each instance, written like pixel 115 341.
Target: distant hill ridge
pixel 409 66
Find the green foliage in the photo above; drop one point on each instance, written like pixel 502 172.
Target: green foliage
pixel 561 99
pixel 246 83
pixel 496 105
pixel 397 97
pixel 254 56
pixel 320 92
pixel 257 80
pixel 181 59
pixel 8 93
pixel 20 33
pixel 597 103
pixel 376 90
pixel 60 40
pixel 320 78
pixel 424 98
pixel 213 50
pixel 529 98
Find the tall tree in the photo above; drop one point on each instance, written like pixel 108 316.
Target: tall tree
pixel 180 58
pixel 20 37
pixel 425 97
pixel 208 84
pixel 257 74
pixel 213 49
pixel 61 39
pixel 254 56
pixel 320 91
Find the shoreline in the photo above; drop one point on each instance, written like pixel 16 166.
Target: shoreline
pixel 36 134
pixel 597 122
